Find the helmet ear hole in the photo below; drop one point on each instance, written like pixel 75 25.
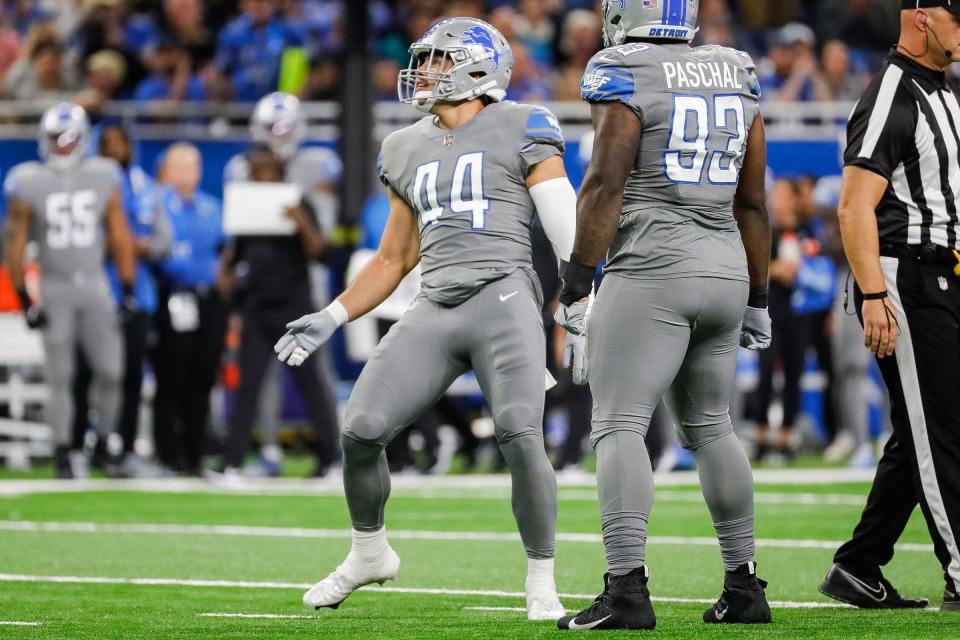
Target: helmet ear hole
pixel 615 20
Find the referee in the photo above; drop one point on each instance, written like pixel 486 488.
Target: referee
pixel 898 219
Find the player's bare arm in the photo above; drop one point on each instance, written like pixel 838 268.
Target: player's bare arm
pixel 750 206
pixel 397 255
pixel 121 240
pixel 618 130
pixel 750 212
pixel 861 192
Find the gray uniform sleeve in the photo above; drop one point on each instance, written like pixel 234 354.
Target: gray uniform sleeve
pixel 237 169
pixel 627 74
pixel 13 184
pixel 390 164
pixel 542 138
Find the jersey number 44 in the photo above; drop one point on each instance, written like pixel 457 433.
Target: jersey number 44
pixel 427 201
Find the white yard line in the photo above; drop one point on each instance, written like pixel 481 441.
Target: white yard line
pixel 18 623
pixel 267 616
pixel 394 534
pixel 428 484
pixel 6 577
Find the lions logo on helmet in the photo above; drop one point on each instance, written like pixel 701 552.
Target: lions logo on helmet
pixel 63 134
pixel 649 19
pixel 456 59
pixel 482 37
pixel 278 122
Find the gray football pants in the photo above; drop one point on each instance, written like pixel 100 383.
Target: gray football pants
pixel 499 334
pixel 82 313
pixel 675 339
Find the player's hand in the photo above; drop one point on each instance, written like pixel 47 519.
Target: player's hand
pixel 880 327
pixel 304 336
pixel 36 317
pixel 573 318
pixel 757 330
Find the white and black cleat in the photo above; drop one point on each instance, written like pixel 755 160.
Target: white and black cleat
pixel 624 604
pixel 352 574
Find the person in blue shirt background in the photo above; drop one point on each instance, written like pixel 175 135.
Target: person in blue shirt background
pixel 250 48
pixel 192 317
pixel 172 76
pixel 152 239
pixel 793 74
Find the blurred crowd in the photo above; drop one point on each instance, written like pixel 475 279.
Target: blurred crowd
pixel 92 51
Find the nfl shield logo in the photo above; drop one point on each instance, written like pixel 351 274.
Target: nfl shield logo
pixel 943 283
pixel 448 140
pixel 649 4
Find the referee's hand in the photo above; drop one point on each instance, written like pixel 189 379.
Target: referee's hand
pixel 880 327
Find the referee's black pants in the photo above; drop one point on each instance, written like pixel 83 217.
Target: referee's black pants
pixel 186 365
pixel 262 327
pixel 921 461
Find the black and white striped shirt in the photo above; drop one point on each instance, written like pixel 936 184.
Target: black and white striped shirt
pixel 906 128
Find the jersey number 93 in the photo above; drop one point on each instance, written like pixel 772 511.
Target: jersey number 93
pixel 695 121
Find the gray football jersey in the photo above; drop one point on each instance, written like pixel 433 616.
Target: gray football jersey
pixel 69 208
pixel 467 186
pixel 696 106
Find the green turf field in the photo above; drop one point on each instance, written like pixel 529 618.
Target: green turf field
pixel 151 564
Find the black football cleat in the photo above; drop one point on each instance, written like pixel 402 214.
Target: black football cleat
pixel 624 604
pixel 742 601
pixel 866 592
pixel 951 600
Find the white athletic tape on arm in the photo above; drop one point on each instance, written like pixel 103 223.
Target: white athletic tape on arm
pixel 556 203
pixel 339 312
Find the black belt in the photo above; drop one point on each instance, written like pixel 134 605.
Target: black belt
pixel 929 253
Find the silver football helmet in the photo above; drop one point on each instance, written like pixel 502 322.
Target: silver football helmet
pixel 63 136
pixel 655 19
pixel 279 123
pixel 456 59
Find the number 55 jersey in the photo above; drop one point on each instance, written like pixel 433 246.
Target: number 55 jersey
pixel 467 186
pixel 68 213
pixel 696 106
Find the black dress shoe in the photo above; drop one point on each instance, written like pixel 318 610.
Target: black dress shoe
pixel 951 600
pixel 866 592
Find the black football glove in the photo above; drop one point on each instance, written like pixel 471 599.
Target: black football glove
pixel 34 314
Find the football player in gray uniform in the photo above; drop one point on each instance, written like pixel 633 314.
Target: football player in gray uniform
pixel 71 206
pixel 278 122
pixel 464 183
pixel 675 199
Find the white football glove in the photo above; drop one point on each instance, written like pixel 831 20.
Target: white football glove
pixel 304 336
pixel 574 320
pixel 757 331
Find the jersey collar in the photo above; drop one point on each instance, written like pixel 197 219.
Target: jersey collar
pixel 930 77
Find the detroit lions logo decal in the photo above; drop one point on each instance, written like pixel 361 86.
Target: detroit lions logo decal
pixel 480 36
